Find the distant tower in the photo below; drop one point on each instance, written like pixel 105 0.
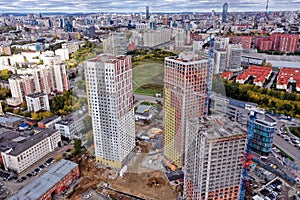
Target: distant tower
pixel 147 13
pixel 224 14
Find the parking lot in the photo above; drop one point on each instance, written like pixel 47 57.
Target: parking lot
pixel 272 190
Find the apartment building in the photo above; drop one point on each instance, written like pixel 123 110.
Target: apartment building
pixel 110 99
pixel 37 102
pixel 20 86
pixel 234 53
pixel 213 154
pixel 22 152
pixel 185 80
pixel 115 44
pixel 153 38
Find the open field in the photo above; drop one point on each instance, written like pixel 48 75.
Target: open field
pixel 149 73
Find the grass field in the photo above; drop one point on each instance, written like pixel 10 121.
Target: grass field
pixel 149 73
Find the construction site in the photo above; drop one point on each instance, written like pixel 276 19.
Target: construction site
pixel 141 178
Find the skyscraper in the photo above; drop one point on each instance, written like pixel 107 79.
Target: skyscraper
pixel 147 13
pixel 185 97
pixel 213 166
pixel 110 99
pixel 224 14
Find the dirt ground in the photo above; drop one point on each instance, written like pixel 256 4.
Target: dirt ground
pixel 141 185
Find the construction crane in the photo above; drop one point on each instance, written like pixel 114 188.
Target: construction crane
pixel 247 157
pixel 210 70
pixel 267 6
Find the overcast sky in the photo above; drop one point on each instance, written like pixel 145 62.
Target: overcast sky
pixel 139 5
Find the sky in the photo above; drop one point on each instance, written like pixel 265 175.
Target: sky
pixel 134 6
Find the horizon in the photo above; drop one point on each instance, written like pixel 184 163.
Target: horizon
pixel 136 6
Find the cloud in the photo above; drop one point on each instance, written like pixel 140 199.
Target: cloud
pixel 139 5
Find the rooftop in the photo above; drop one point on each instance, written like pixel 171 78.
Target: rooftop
pixel 26 144
pixel 215 128
pixel 36 95
pixel 39 186
pixel 49 119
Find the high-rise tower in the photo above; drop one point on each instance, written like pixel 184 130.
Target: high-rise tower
pixel 213 167
pixel 147 13
pixel 109 91
pixel 224 14
pixel 185 83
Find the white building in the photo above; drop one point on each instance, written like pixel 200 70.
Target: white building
pixel 220 61
pixel 63 53
pixel 37 102
pixel 213 159
pixel 110 99
pixel 153 38
pixel 22 152
pixel 71 125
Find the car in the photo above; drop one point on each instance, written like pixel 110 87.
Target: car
pixel 37 170
pixel 29 174
pixel 41 166
pixel 23 178
pixel 87 196
pixel 34 173
pixel 20 180
pixel 46 164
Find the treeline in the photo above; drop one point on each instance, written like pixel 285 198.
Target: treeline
pixel 88 50
pixel 272 100
pixel 154 54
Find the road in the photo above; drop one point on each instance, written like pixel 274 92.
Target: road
pixel 288 148
pixel 140 97
pixel 272 80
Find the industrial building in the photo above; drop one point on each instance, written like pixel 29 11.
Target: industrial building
pixel 185 92
pixel 53 182
pixel 71 125
pixel 213 154
pixel 19 152
pixel 110 99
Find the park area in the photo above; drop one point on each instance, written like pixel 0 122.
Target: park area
pixel 148 76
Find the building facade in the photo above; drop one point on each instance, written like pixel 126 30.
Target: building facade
pixel 234 53
pixel 115 44
pixel 213 166
pixel 37 102
pixel 110 99
pixel 24 154
pixel 185 80
pixel 71 125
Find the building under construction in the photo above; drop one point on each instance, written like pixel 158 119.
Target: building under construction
pixel 213 155
pixel 185 83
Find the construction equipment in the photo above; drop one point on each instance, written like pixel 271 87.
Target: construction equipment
pixel 247 158
pixel 172 167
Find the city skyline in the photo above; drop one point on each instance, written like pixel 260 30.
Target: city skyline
pixel 38 6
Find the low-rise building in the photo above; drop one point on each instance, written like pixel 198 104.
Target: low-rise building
pixel 143 112
pixel 54 181
pixel 20 152
pixel 71 125
pixel 49 122
pixel 37 102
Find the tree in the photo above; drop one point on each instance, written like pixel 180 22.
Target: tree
pixel 77 146
pixel 5 74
